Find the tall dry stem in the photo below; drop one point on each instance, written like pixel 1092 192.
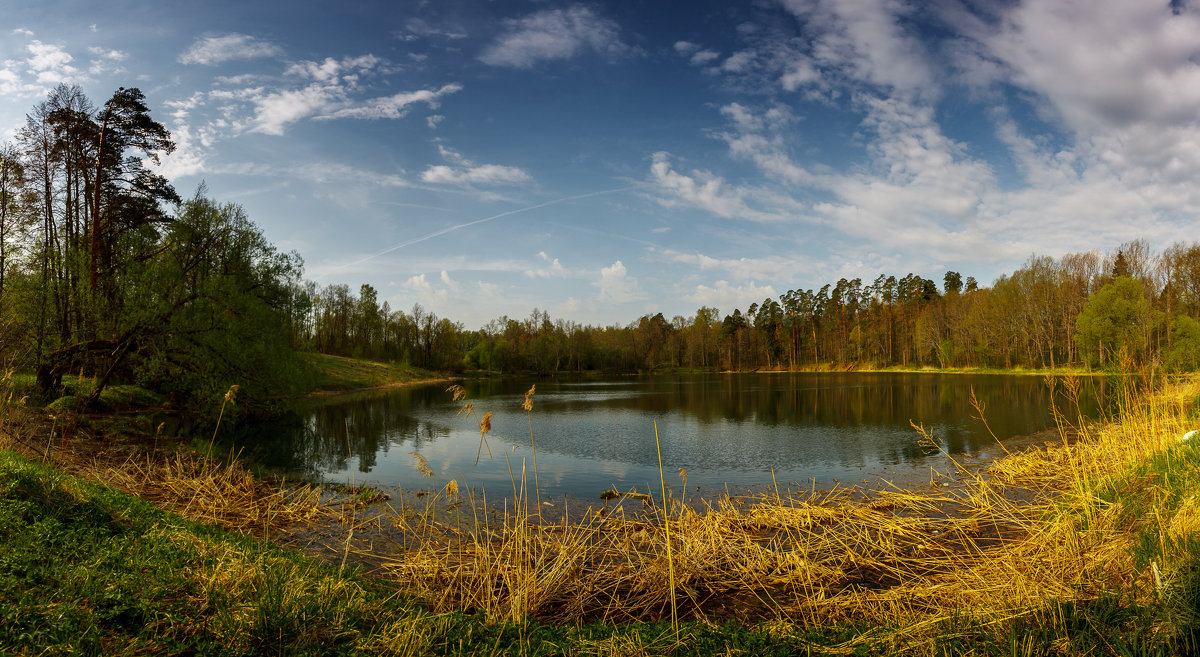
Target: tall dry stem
pixel 667 530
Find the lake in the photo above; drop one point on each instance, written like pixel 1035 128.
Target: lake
pixel 723 429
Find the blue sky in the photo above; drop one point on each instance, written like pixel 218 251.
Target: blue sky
pixel 602 160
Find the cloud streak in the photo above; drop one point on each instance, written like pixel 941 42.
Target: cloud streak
pixel 214 50
pixel 457 227
pixel 553 34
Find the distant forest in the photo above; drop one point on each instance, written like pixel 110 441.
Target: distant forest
pixel 1132 307
pixel 107 273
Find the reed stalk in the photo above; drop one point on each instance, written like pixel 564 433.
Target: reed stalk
pixel 667 530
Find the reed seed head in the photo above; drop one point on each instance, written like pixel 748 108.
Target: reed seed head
pixel 528 405
pixel 422 464
pixel 485 424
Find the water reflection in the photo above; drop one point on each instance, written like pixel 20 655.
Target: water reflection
pixel 724 429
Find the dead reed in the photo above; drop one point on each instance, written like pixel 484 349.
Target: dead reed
pixel 200 489
pixel 1027 532
pixel 197 487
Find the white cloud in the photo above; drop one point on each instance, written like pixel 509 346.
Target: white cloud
pixel 433 120
pixel 708 192
pixel 686 48
pixel 744 269
pixel 106 61
pixel 451 285
pixel 1125 63
pixel 395 106
pixel 553 34
pixel 213 50
pixel 321 173
pixel 466 173
pixel 723 295
pixel 274 111
pixel 695 55
pixel 484 174
pixel 739 62
pixel 331 69
pixel 427 291
pixel 865 41
pixel 49 63
pixel 552 268
pixel 764 140
pixel 617 286
pixel 107 53
pixel 23 32
pixel 417 27
pixel 237 80
pixel 186 160
pixel 799 73
pixel 703 57
pixel 13 82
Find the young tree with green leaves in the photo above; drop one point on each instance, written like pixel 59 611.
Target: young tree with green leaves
pixel 1115 320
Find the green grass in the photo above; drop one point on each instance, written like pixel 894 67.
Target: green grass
pixel 88 570
pixel 339 373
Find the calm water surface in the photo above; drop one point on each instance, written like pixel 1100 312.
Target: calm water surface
pixel 722 428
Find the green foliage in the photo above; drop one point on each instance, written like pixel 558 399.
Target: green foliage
pixel 1115 320
pixel 952 282
pixel 209 310
pixel 1184 353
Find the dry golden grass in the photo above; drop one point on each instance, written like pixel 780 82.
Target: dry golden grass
pixel 221 494
pixel 1026 532
pixel 198 488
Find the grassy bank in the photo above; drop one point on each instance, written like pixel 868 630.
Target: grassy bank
pixel 1089 546
pixel 85 569
pixel 866 367
pixel 342 374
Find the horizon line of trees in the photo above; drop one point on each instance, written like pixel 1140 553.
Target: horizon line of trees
pixel 1129 307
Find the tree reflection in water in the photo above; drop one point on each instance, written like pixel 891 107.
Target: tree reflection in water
pixel 723 428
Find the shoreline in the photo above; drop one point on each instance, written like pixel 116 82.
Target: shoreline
pixel 468 515
pixel 325 393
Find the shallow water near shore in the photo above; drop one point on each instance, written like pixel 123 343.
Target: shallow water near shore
pixel 734 430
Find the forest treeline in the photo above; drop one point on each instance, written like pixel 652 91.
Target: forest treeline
pixel 1131 307
pixel 106 273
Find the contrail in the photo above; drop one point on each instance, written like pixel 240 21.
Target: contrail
pixel 451 229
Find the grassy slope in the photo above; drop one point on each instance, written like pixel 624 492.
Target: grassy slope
pixel 339 373
pixel 88 570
